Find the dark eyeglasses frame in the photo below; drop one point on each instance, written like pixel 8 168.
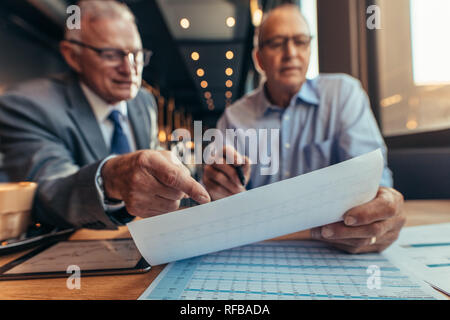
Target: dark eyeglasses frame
pixel 285 40
pixel 146 52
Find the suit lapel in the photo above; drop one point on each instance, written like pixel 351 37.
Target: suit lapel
pixel 140 123
pixel 83 116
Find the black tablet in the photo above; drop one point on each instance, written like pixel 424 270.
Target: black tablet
pixel 34 237
pixel 90 257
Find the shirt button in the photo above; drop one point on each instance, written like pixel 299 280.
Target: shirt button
pixel 287 145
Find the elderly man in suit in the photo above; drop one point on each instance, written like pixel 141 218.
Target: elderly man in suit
pixel 89 138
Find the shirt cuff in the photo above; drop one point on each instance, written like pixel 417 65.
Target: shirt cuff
pixel 107 206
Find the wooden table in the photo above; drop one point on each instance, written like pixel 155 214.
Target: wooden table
pixel 132 286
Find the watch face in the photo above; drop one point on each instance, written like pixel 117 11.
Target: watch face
pixel 106 200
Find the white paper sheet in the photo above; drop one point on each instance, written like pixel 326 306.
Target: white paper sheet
pixel 310 200
pixel 425 251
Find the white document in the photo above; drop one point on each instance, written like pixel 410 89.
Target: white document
pixel 425 251
pixel 306 201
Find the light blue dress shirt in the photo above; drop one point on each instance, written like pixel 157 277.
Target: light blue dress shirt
pixel 328 121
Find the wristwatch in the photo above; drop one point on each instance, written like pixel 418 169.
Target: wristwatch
pixel 106 200
pixel 114 208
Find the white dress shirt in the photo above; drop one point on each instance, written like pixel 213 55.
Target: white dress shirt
pixel 102 110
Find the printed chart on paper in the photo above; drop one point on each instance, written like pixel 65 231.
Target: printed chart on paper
pixel 285 270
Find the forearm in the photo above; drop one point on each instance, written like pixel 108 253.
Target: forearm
pixel 71 201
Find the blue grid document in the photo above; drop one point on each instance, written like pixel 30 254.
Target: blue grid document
pixel 286 270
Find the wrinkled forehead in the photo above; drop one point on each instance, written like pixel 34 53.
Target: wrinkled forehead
pixel 111 32
pixel 284 22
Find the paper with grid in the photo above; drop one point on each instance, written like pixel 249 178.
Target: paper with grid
pixel 313 199
pixel 284 270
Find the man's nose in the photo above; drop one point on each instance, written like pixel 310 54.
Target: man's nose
pixel 128 64
pixel 290 50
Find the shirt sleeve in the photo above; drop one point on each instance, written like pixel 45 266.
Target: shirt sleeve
pixel 100 191
pixel 359 132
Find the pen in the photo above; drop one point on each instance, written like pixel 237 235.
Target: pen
pixel 240 174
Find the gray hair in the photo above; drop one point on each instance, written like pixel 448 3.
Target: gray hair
pixel 92 10
pixel 258 38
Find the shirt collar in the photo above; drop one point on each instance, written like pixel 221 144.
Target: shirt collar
pixel 262 104
pixel 306 94
pixel 100 107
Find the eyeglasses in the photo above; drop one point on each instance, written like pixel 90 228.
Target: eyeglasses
pixel 278 43
pixel 114 57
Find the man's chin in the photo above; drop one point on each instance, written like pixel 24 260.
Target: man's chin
pixel 125 94
pixel 292 84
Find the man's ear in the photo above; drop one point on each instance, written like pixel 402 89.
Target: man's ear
pixel 70 55
pixel 256 55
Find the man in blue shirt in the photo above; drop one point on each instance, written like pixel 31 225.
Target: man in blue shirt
pixel 320 122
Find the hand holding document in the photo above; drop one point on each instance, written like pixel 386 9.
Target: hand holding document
pixel 310 200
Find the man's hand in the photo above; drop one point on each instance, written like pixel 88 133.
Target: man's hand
pixel 150 182
pixel 221 179
pixel 370 227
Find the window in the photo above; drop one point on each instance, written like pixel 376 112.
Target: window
pixel 413 51
pixel 309 10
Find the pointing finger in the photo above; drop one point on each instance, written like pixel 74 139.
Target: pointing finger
pixel 176 178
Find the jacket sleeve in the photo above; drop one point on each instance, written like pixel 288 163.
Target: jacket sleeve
pixel 33 151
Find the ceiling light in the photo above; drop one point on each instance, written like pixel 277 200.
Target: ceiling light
pixel 190 144
pixel 184 23
pixel 207 95
pixel 228 71
pixel 195 56
pixel 229 83
pixel 203 84
pixel 230 22
pixel 162 136
pixel 229 54
pixel 257 17
pixel 200 72
pixel 228 94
